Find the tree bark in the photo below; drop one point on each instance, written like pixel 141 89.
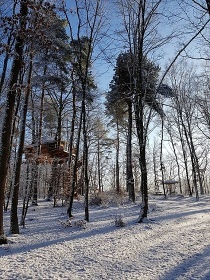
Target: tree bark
pixel 74 173
pixel 162 167
pixel 86 176
pixel 38 141
pixel 142 161
pixel 10 104
pixel 117 171
pixel 14 227
pixel 130 179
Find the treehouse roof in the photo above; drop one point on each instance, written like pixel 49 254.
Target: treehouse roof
pixel 49 150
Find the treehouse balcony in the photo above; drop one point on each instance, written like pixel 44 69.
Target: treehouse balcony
pixel 49 150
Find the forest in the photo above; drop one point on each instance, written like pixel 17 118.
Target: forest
pixel 99 95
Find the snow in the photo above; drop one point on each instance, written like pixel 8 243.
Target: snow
pixel 173 244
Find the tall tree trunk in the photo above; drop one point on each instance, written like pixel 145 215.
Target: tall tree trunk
pixel 142 157
pixel 157 188
pixel 10 104
pixel 28 192
pixel 139 111
pixel 99 166
pixel 55 180
pixel 14 127
pixel 185 160
pixel 117 171
pixel 33 121
pixel 86 176
pixel 14 228
pixel 74 173
pixel 143 165
pixel 26 197
pixel 196 163
pixel 74 113
pixel 59 120
pixel 129 168
pixel 192 156
pixel 38 143
pixel 162 167
pixel 71 139
pixel 177 162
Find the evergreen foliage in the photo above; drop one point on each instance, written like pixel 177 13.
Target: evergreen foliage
pixel 124 80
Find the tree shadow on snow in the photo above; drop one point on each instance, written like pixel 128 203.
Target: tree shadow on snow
pixel 181 214
pixel 76 234
pixel 195 267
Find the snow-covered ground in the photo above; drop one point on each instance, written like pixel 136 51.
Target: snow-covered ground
pixel 173 244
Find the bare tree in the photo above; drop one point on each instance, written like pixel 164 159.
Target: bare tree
pixel 84 38
pixel 10 104
pixel 186 87
pixel 140 38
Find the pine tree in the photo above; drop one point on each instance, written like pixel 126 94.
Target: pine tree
pixel 122 90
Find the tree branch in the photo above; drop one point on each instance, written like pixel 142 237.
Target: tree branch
pixel 183 49
pixel 208 5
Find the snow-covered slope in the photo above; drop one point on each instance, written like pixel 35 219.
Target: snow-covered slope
pixel 173 244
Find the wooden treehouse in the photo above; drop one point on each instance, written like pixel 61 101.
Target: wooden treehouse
pixel 49 151
pixel 61 175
